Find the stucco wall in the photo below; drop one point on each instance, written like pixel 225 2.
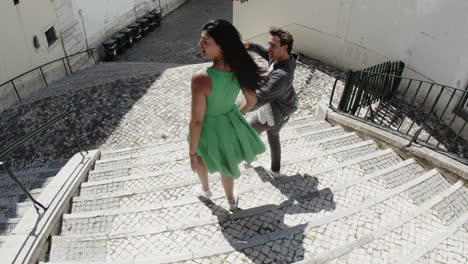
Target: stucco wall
pixel 19 24
pixel 102 19
pixel 430 36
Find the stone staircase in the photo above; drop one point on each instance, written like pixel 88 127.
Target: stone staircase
pixel 13 202
pixel 340 200
pixel 96 75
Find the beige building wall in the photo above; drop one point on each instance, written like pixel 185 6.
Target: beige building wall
pixel 102 19
pixel 430 36
pixel 20 23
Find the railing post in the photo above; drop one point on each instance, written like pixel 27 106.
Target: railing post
pixel 16 91
pixel 13 177
pixel 43 77
pixel 415 137
pixel 333 91
pixel 92 55
pixel 65 66
pixel 68 63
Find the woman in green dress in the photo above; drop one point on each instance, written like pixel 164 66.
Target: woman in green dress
pixel 220 138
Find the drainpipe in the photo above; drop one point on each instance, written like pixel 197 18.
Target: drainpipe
pixel 84 28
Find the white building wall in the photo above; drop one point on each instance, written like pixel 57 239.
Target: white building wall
pixel 104 18
pixel 20 23
pixel 430 36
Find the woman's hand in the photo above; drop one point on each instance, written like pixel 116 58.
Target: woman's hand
pixel 194 163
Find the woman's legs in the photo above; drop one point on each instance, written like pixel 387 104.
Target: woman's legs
pixel 203 175
pixel 228 185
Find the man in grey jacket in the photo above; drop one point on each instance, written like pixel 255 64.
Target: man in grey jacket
pixel 277 99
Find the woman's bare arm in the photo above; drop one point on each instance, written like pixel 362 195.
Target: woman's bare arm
pixel 201 87
pixel 250 101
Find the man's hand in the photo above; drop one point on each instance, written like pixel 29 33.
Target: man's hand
pixel 246 44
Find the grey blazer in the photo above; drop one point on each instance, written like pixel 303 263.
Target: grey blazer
pixel 278 90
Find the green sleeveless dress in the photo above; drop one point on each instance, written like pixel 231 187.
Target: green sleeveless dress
pixel 226 137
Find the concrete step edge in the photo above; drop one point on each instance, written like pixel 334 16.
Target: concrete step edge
pixel 118 179
pixel 44 184
pixel 184 146
pixel 14 220
pixel 434 240
pixel 113 151
pixel 325 153
pixel 195 200
pixel 261 239
pixel 117 168
pixel 366 239
pixel 248 213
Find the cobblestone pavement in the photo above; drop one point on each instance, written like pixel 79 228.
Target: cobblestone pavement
pixel 176 39
pixel 339 200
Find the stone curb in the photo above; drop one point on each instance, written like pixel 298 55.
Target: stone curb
pixel 427 154
pixel 25 243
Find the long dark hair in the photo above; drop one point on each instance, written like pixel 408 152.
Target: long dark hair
pixel 249 75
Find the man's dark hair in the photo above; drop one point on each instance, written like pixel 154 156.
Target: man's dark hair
pixel 285 37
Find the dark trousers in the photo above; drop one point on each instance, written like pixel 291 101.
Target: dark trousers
pixel 273 140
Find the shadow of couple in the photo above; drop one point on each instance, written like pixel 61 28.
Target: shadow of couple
pixel 273 233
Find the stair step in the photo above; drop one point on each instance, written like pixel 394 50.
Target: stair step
pixel 387 243
pixel 136 245
pixel 8 225
pixel 300 241
pixel 27 176
pixel 313 162
pixel 315 147
pixel 304 125
pixel 14 210
pixel 13 189
pixel 445 246
pixel 19 197
pixel 94 76
pixel 176 153
pixel 177 164
pixel 150 212
pixel 298 186
pixel 2 240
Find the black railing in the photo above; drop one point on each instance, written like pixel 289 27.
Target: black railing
pixel 363 88
pixel 423 112
pixel 4 153
pixel 66 65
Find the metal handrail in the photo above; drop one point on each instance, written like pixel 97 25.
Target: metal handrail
pixel 19 142
pixel 392 105
pixel 89 51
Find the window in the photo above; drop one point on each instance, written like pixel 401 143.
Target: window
pixel 36 43
pixel 51 36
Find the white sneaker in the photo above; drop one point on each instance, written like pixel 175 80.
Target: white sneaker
pixel 233 207
pixel 274 174
pixel 198 190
